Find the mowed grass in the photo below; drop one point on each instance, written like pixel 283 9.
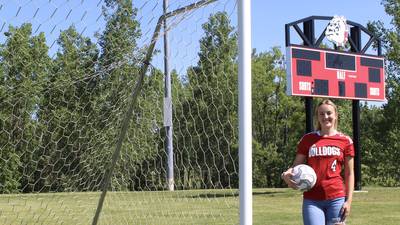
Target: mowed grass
pixel 371 206
pixel 270 206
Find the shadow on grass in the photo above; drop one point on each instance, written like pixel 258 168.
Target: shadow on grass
pixel 233 194
pixel 213 195
pixel 268 193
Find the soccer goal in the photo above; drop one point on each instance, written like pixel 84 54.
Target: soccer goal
pixel 124 112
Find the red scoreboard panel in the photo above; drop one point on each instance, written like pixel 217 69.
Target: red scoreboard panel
pixel 328 73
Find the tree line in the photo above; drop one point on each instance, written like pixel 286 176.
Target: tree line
pixel 60 117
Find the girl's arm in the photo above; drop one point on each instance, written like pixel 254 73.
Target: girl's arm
pixel 287 175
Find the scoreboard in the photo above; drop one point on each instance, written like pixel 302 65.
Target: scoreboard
pixel 327 73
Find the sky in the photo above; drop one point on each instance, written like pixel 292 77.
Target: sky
pixel 269 17
pixel 268 21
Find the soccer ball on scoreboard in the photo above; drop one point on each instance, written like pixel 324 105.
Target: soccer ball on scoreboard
pixel 304 176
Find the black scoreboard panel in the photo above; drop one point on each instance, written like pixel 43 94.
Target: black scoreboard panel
pixel 342 62
pixel 329 73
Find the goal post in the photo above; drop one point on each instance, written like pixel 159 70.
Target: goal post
pixel 245 115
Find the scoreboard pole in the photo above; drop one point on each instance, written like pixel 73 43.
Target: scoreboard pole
pixel 356 142
pixel 355 33
pixel 308 27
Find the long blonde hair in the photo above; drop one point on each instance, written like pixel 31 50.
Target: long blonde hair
pixel 326 102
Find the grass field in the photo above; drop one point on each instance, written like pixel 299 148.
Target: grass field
pixel 270 206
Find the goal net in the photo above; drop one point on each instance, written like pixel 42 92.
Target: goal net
pixel 93 131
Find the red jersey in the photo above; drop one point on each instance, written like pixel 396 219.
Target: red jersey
pixel 326 155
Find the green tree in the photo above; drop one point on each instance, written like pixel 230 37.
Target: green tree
pixel 24 63
pixel 278 119
pixel 144 156
pixel 383 148
pixel 66 114
pixel 119 57
pixel 120 61
pixel 209 137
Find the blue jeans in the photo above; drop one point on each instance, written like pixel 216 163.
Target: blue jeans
pixel 322 212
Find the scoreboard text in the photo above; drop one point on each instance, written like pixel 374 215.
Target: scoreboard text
pixel 327 73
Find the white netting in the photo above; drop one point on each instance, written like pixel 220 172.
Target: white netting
pixel 68 75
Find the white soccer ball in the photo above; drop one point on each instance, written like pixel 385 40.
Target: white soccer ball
pixel 304 176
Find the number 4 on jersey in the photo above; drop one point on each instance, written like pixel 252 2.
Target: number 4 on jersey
pixel 333 166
